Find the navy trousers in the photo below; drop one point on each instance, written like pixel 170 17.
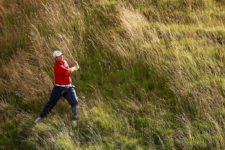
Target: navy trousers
pixel 68 93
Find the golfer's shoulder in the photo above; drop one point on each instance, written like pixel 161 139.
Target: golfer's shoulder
pixel 58 65
pixel 65 62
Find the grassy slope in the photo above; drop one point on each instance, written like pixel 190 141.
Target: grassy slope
pixel 151 73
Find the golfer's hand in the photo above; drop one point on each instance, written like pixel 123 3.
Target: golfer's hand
pixel 75 63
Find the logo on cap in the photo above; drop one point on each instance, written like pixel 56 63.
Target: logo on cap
pixel 57 53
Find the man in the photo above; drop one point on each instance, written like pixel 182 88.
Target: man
pixel 63 87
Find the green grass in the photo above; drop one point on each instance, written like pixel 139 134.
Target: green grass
pixel 151 74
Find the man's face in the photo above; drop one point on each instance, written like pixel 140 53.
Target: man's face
pixel 59 58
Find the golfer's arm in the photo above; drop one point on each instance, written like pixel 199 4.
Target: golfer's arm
pixel 72 69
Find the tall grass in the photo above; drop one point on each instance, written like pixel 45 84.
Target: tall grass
pixel 151 73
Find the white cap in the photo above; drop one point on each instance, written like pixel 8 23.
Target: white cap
pixel 57 53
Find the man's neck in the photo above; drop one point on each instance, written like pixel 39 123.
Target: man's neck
pixel 59 60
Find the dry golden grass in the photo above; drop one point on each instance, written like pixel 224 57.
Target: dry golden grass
pixel 164 58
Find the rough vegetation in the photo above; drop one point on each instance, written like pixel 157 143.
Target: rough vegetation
pixel 152 73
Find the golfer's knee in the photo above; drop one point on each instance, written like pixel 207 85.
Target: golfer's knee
pixel 74 103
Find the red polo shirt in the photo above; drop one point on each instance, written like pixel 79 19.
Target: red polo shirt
pixel 62 73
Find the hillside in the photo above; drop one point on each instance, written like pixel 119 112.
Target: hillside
pixel 151 77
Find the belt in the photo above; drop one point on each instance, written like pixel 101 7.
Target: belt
pixel 68 85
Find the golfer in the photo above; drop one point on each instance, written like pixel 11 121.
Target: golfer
pixel 62 87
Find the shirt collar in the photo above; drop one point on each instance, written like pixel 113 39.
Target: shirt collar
pixel 59 62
